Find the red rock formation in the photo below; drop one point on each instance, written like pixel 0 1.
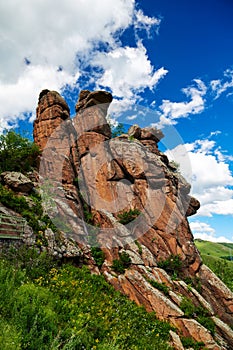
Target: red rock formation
pixel 129 173
pixel 51 111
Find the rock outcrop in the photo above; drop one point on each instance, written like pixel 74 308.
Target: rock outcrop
pixel 16 181
pixel 123 195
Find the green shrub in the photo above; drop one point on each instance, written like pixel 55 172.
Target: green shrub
pixel 192 344
pixel 172 265
pixel 207 322
pixel 117 130
pixel 98 255
pixel 193 283
pixel 17 153
pixel 33 212
pixel 188 307
pixel 139 247
pixel 121 264
pixel 199 313
pixel 160 286
pixel 128 216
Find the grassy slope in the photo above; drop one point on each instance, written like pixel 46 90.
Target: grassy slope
pixel 49 307
pixel 212 254
pixel 213 249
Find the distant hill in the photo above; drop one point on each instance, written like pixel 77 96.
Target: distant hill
pixel 217 250
pixel 218 257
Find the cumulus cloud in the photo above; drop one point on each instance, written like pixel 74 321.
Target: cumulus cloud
pixel 204 231
pixel 20 98
pixel 210 176
pixel 171 111
pixel 127 71
pixel 47 46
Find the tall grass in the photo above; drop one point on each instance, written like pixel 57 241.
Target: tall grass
pixel 66 307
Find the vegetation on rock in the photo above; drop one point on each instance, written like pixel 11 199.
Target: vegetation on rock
pixel 128 216
pixel 173 265
pixel 121 264
pixel 199 313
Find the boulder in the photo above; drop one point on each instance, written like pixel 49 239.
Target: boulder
pixel 17 181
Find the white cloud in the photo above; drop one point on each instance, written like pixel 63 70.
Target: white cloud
pixel 132 117
pixel 43 45
pixel 47 46
pixel 145 22
pixel 220 86
pixel 48 34
pixel 21 97
pixel 127 70
pixel 171 111
pixel 204 231
pixel 210 176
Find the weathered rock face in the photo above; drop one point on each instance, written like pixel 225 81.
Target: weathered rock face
pixel 17 181
pixel 97 179
pixel 51 111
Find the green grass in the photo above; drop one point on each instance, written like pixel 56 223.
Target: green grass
pixel 213 255
pixel 66 307
pixel 216 250
pixel 222 268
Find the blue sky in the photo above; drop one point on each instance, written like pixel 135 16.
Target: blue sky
pixel 171 59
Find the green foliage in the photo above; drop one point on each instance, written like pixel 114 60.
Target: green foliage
pixel 128 216
pixel 222 268
pixel 227 257
pixel 31 261
pixel 10 338
pixel 117 130
pixel 160 286
pixel 207 322
pixel 188 307
pixel 131 138
pixel 193 283
pixel 213 255
pixel 139 247
pixel 200 313
pixel 32 211
pixel 172 265
pixel 68 308
pixel 214 249
pixel 121 264
pixel 98 255
pixel 17 153
pixel 191 344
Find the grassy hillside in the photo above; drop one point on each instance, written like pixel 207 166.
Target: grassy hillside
pixel 217 250
pixel 218 257
pixel 46 306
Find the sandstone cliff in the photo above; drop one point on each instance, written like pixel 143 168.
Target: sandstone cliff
pixel 122 196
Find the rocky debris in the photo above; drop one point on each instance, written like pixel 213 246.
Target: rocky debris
pixel 17 181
